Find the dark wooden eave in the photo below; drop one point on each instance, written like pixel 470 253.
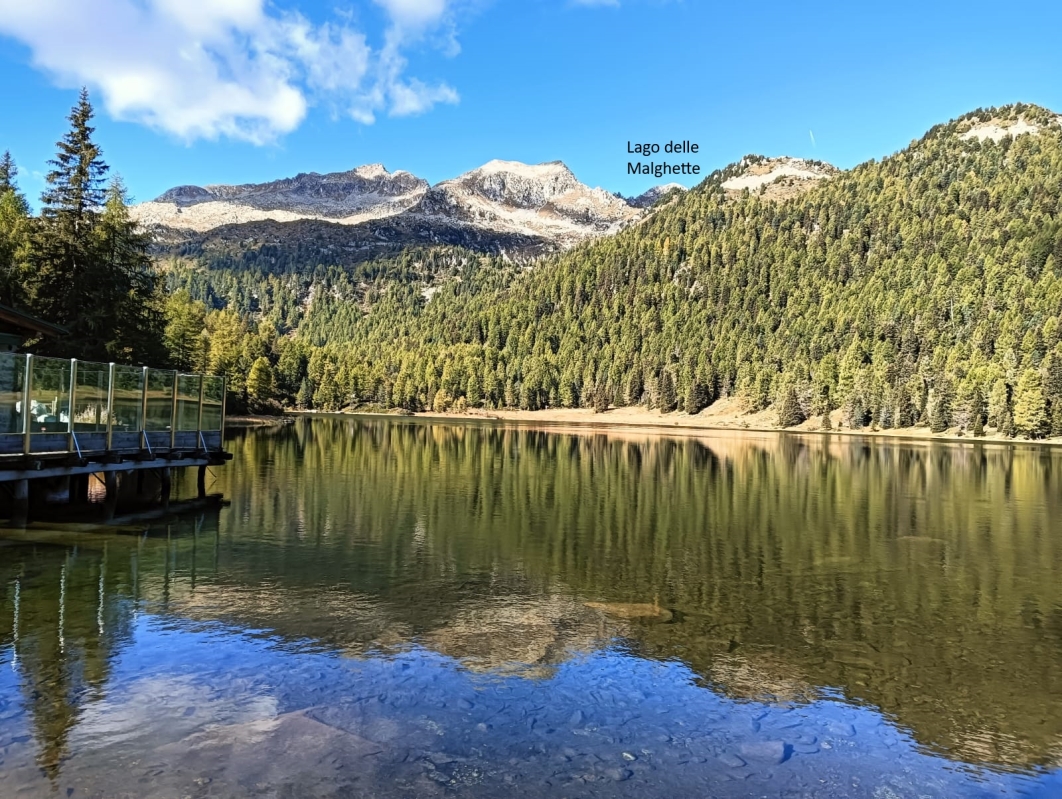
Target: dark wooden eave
pixel 31 324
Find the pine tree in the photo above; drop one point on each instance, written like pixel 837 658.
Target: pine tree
pixel 856 413
pixel 602 397
pixel 696 398
pixel 666 389
pixel 261 384
pixel 1029 405
pixel 998 404
pixel 1053 376
pixel 442 401
pixel 904 409
pixel 939 410
pixel 304 397
pixel 8 172
pixel 790 413
pixel 1053 390
pixel 633 388
pixel 827 409
pixel 328 396
pixel 473 392
pixel 128 283
pixel 291 366
pixel 1007 427
pixel 63 281
pixel 978 426
pixel 226 332
pixel 184 332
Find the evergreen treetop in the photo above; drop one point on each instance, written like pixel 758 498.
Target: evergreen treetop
pixel 76 181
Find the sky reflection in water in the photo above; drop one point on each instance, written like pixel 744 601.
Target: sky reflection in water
pixel 399 609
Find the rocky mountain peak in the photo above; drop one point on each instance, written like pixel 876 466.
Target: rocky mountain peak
pixel 366 192
pixel 536 200
pixel 373 171
pixel 517 184
pixel 651 197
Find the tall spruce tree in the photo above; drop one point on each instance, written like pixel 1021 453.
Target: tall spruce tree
pixel 1029 405
pixel 666 388
pixel 89 268
pixel 790 413
pixel 8 172
pixel 696 398
pixel 131 283
pixel 63 274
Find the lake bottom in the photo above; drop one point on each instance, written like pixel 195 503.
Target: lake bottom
pixel 208 711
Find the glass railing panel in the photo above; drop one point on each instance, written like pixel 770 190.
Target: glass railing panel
pixel 160 400
pixel 128 398
pixel 90 397
pixel 213 401
pixel 188 402
pixel 12 376
pixel 49 405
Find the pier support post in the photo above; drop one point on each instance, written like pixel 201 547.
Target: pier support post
pixel 201 482
pixel 110 502
pixel 140 482
pixel 20 502
pixel 164 478
pixel 82 483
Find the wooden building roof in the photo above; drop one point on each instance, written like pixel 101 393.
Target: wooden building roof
pixel 22 324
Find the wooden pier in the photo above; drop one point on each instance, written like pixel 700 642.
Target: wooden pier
pixel 74 431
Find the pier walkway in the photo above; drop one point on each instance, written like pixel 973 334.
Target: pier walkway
pixel 62 421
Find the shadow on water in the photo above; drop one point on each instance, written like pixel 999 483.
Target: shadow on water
pixel 827 577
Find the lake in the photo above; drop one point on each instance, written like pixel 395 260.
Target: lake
pixel 402 608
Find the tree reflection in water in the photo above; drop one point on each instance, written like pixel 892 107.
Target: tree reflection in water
pixel 917 579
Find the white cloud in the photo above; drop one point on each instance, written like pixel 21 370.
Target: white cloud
pixel 414 14
pixel 231 68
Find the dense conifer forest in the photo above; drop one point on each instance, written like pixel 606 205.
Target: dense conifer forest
pixel 922 289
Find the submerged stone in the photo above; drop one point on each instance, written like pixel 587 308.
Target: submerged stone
pixel 764 751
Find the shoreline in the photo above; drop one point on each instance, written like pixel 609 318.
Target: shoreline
pixel 252 420
pixel 726 420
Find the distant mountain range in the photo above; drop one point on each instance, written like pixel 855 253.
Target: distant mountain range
pixel 503 206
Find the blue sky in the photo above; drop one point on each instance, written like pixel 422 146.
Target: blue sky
pixel 232 91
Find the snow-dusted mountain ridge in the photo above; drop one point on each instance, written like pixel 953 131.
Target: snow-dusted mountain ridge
pixel 543 202
pixel 368 192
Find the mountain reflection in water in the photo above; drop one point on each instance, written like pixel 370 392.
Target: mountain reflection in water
pixel 473 607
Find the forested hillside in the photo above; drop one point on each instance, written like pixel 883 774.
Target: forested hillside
pixel 921 289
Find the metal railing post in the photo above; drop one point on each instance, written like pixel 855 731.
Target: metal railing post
pixel 202 394
pixel 27 391
pixel 70 405
pixel 110 405
pixel 224 403
pixel 173 413
pixel 143 413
